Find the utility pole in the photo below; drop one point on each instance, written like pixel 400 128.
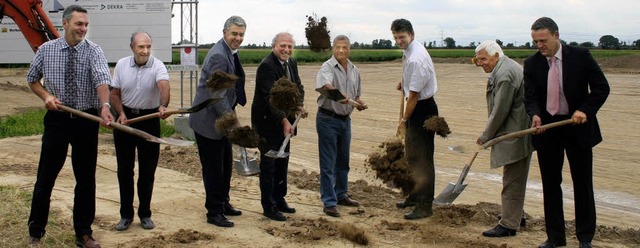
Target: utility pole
pixel 441 38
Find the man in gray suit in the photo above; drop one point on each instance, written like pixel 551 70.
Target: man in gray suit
pixel 505 104
pixel 213 147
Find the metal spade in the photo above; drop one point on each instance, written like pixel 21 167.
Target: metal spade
pixel 281 153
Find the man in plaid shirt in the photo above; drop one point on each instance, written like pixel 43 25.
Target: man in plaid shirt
pixel 75 73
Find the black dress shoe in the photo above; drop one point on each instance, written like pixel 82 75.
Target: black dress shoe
pixel 231 211
pixel 499 231
pixel 553 244
pixel 585 245
pixel 419 212
pixel 274 214
pixel 405 204
pixel 346 201
pixel 284 207
pixel 219 220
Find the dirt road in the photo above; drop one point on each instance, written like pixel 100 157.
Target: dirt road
pixel 178 201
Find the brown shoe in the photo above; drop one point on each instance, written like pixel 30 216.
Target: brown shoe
pixel 331 211
pixel 346 201
pixel 34 242
pixel 86 241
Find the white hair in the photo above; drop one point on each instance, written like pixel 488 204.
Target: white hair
pixel 491 47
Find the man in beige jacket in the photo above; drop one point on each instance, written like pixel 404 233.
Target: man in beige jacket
pixel 505 104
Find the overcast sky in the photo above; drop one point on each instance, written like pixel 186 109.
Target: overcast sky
pixel 464 21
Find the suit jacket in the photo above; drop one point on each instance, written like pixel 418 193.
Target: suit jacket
pixel 266 119
pixel 203 122
pixel 505 104
pixel 584 85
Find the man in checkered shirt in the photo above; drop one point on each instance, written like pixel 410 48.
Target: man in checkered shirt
pixel 71 71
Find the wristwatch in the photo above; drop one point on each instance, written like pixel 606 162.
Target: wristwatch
pixel 106 104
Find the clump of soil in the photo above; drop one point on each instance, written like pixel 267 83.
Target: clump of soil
pixel 182 236
pixel 184 159
pixel 438 125
pixel 229 126
pixel 244 136
pixel 391 166
pixel 226 122
pixel 353 233
pixel 285 96
pixel 221 80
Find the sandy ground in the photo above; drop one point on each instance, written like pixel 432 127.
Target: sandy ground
pixel 178 200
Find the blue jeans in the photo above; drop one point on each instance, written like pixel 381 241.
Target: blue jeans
pixel 334 141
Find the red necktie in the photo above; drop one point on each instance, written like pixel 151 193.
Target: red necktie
pixel 553 88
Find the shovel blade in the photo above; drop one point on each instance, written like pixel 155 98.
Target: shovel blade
pixel 276 154
pixel 449 194
pixel 245 166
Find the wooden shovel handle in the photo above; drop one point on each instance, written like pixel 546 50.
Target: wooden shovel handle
pixel 521 133
pixel 157 115
pixel 113 124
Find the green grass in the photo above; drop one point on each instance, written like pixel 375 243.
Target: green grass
pixel 22 124
pixel 254 56
pixel 30 122
pixel 13 221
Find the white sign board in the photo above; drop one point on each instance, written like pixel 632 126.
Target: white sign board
pixel 111 23
pixel 188 55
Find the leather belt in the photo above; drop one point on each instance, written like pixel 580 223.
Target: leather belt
pixel 332 114
pixel 138 111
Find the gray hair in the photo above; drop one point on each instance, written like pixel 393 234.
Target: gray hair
pixel 341 37
pixel 133 36
pixel 545 23
pixel 491 47
pixel 66 15
pixel 235 20
pixel 279 35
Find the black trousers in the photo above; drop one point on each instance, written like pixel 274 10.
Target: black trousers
pixel 551 148
pixel 217 159
pixel 420 146
pixel 62 129
pixel 273 174
pixel 148 154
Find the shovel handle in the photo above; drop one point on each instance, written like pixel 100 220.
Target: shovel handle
pixel 113 124
pixel 521 133
pixel 157 115
pixel 288 137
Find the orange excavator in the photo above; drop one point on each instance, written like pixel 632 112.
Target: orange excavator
pixel 31 19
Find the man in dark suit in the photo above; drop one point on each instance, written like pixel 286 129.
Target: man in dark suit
pixel 273 125
pixel 563 82
pixel 213 147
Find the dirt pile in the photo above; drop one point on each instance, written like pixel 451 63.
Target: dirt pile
pixel 391 166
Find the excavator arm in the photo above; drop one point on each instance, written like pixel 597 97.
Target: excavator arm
pixel 31 19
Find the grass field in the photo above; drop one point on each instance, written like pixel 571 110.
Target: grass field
pixel 254 56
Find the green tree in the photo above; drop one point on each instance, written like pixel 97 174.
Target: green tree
pixel 587 44
pixel 317 33
pixel 499 42
pixel 636 43
pixel 609 42
pixel 449 42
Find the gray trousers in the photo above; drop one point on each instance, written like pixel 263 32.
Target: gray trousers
pixel 514 186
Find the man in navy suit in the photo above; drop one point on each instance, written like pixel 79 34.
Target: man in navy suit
pixel 563 82
pixel 273 125
pixel 213 147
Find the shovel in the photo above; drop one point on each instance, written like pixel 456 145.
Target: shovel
pixel 196 108
pixel 452 191
pixel 336 95
pixel 246 166
pixel 128 129
pixel 281 153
